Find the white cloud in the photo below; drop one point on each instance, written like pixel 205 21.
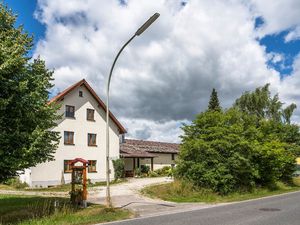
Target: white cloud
pixel 278 15
pixel 293 35
pixel 152 130
pixel 166 75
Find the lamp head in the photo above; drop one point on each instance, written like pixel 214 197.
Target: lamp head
pixel 147 24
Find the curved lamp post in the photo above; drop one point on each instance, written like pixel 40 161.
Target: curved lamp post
pixel 137 33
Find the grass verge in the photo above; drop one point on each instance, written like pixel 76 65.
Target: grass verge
pixel 58 188
pixel 178 191
pixel 32 210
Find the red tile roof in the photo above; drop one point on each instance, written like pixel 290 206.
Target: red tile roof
pixel 83 82
pixel 139 147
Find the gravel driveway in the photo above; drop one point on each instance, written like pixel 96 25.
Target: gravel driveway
pixel 127 195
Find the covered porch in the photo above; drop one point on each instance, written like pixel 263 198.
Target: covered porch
pixel 134 160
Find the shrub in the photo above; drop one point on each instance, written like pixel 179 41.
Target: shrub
pixel 227 152
pixel 137 172
pixel 119 168
pixel 153 174
pixel 145 168
pixel 16 183
pixel 164 171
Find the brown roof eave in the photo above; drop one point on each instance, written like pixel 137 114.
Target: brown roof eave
pixel 61 95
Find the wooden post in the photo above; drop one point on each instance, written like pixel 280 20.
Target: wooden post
pixel 84 191
pixel 151 164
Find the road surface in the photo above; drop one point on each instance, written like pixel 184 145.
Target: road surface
pixel 277 210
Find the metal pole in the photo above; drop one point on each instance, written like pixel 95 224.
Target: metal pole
pixel 108 198
pixel 137 33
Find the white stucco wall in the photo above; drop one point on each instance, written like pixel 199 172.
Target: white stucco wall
pixel 50 173
pixel 158 162
pixel 163 160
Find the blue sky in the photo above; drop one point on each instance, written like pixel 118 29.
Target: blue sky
pixel 25 10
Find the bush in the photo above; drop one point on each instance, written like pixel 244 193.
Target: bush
pixel 145 168
pixel 16 183
pixel 228 152
pixel 153 174
pixel 119 168
pixel 164 171
pixel 138 172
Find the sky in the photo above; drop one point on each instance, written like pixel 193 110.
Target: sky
pixel 165 76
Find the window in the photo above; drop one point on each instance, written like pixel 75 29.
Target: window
pixel 90 114
pixel 68 138
pixel 92 140
pixel 70 111
pixel 173 156
pixel 92 166
pixel 67 166
pixel 80 94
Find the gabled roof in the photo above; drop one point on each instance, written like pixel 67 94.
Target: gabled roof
pixel 83 82
pixel 148 147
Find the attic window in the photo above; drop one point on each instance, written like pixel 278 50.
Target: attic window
pixel 80 94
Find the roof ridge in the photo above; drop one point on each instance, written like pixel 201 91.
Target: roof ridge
pixel 150 141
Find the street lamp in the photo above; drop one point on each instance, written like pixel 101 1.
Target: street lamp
pixel 137 33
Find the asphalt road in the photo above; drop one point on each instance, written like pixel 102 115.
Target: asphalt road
pixel 277 210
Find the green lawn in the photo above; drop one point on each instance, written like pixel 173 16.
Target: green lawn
pixel 183 192
pixel 30 210
pixel 59 188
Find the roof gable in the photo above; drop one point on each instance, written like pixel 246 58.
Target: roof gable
pixel 83 82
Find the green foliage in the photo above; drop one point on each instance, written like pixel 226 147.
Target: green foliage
pixel 138 172
pixel 228 151
pixel 153 174
pixel 26 119
pixel 264 106
pixel 214 104
pixel 16 183
pixel 164 171
pixel 145 168
pixel 119 168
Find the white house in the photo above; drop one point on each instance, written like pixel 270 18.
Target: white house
pixel 82 129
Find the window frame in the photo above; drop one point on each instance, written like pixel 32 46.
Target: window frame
pixel 90 166
pixel 87 114
pixel 80 94
pixel 66 163
pixel 68 134
pixel 90 135
pixel 68 113
pixel 173 156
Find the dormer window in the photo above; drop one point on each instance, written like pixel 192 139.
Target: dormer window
pixel 80 94
pixel 70 111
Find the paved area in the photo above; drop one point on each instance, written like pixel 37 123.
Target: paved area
pixel 126 195
pixel 277 210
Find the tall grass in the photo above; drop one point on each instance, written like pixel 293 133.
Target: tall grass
pixel 183 191
pixel 31 210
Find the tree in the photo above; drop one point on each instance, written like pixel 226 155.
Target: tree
pixel 214 104
pixel 26 119
pixel 272 118
pixel 227 152
pixel 264 106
